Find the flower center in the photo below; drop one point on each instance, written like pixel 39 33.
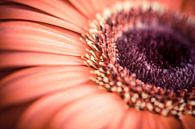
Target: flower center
pixel 158 56
pixel 146 56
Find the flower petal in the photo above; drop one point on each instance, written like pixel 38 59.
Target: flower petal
pixel 33 37
pixel 92 112
pixel 132 119
pixel 58 101
pixel 168 122
pixel 148 120
pixel 9 116
pixel 170 4
pixel 188 122
pixel 24 59
pixel 13 12
pixel 32 83
pixel 59 10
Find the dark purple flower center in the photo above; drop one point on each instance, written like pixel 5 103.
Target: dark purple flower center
pixel 159 56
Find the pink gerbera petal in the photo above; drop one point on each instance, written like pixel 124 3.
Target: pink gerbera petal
pixel 41 81
pixel 95 111
pixel 33 37
pixel 188 122
pixel 53 103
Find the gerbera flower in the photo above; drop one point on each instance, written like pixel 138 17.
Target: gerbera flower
pixel 97 64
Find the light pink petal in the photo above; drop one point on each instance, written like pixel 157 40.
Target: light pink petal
pixel 49 105
pixel 91 7
pixel 188 122
pixel 118 119
pixel 168 122
pixel 33 37
pixel 132 119
pixel 85 7
pixel 6 72
pixel 61 9
pixel 24 59
pixel 188 7
pixel 9 116
pixel 12 12
pixel 146 120
pixel 170 4
pixel 174 6
pixel 102 4
pixel 95 111
pixel 32 83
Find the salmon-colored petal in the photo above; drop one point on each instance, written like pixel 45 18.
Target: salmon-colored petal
pixel 169 122
pixel 146 120
pixel 24 59
pixel 188 122
pixel 58 101
pixel 85 7
pixel 132 119
pixel 10 116
pixel 170 4
pixel 28 36
pixel 7 72
pixel 188 6
pixel 17 13
pixel 59 9
pixel 89 8
pixel 155 121
pixel 92 112
pixel 118 119
pixel 35 82
pixel 102 4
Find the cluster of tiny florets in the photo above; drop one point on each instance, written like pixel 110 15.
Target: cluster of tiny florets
pixel 109 74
